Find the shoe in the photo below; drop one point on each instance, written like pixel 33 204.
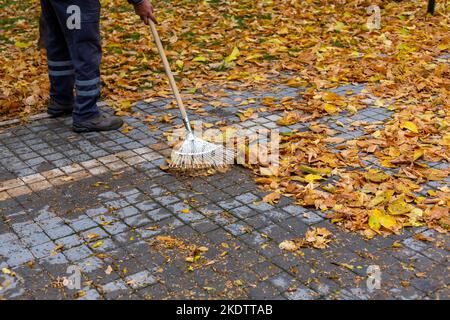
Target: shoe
pixel 54 109
pixel 101 122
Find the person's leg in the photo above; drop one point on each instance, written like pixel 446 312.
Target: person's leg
pixel 431 6
pixel 60 68
pixel 83 42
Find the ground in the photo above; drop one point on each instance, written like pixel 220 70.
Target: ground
pixel 358 208
pixel 104 203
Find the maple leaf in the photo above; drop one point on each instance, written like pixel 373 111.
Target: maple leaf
pixel 289 118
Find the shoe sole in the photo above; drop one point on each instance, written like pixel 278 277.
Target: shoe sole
pixel 80 129
pixel 57 114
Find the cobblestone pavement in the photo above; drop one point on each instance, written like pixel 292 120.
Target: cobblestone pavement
pixel 100 202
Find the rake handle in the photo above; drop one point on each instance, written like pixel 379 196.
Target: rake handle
pixel 169 73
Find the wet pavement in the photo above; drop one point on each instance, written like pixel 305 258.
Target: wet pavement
pixel 100 205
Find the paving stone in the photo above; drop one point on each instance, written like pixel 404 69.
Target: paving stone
pixel 43 250
pixel 204 226
pixel 115 228
pixel 282 281
pixel 19 257
pixel 302 293
pixel 166 200
pixel 158 214
pixel 96 211
pixel 146 205
pixel 69 241
pixel 310 218
pixel 90 264
pixel 247 198
pixel 35 239
pixel 229 204
pixel 59 232
pixel 82 224
pixel 243 212
pixel 77 253
pixel 127 212
pixel 116 290
pixel 263 291
pixel 91 294
pixel 116 204
pixel 238 228
pixel 140 280
pixel 295 210
pixel 190 217
pixel 277 215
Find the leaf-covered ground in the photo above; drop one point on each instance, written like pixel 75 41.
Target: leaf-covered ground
pixel 315 45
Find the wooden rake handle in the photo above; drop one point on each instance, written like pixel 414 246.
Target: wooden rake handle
pixel 169 73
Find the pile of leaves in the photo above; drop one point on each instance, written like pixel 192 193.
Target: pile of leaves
pixel 378 199
pixel 215 41
pixel 317 238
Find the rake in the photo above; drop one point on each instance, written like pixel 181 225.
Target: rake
pixel 194 153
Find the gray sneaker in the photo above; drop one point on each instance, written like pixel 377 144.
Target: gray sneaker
pixel 54 109
pixel 102 122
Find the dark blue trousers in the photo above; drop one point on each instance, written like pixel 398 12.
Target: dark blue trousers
pixel 72 40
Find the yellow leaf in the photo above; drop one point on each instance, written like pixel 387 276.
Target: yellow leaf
pixel 209 288
pixel 374 219
pixel 270 171
pixel 23 44
pixel 352 109
pixel 200 59
pixel 329 108
pixel 125 104
pixel 233 56
pixel 376 176
pixel 246 114
pixel 418 154
pixel 296 83
pixel 6 271
pixel 399 206
pixel 411 126
pixel 387 164
pixel 396 245
pixel 185 210
pixel 376 134
pixel 289 118
pixel 443 46
pixel 254 57
pixel 313 177
pixel 338 26
pixel 179 64
pixel 97 244
pixel 309 170
pixel 387 221
pixel 283 30
pixel 379 198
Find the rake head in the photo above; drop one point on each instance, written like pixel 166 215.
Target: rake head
pixel 197 154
